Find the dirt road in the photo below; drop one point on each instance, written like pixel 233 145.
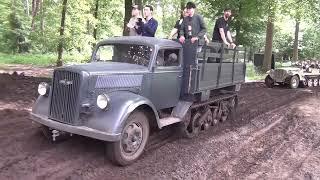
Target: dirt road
pixel 277 135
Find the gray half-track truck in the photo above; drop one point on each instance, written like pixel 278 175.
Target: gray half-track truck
pixel 135 84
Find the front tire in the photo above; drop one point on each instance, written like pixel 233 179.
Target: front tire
pixel 134 138
pixel 269 82
pixel 294 82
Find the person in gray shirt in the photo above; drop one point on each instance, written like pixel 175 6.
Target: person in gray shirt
pixel 193 26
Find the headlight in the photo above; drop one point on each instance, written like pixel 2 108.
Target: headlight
pixel 102 101
pixel 43 89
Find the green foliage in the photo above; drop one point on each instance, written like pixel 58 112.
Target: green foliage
pixel 13 34
pixel 248 25
pixel 252 73
pixel 311 43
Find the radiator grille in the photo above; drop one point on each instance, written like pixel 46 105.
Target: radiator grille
pixel 65 96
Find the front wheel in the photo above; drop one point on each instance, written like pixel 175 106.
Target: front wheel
pixel 294 82
pixel 133 140
pixel 269 82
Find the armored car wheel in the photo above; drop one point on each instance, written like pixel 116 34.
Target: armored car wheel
pixel 134 138
pixel 294 82
pixel 269 82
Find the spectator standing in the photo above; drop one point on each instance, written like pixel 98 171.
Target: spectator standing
pixel 150 26
pixel 134 24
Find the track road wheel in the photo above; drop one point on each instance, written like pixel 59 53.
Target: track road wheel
pixel 294 82
pixel 269 82
pixel 310 82
pixel 134 138
pixel 316 82
pixel 189 127
pixel 303 84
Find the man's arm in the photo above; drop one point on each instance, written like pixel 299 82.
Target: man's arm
pixel 223 36
pixel 230 39
pixel 173 32
pixel 175 29
pixel 182 28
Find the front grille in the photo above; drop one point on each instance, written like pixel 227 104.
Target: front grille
pixel 65 96
pixel 280 74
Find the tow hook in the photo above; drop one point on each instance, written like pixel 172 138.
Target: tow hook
pixel 59 135
pixel 55 133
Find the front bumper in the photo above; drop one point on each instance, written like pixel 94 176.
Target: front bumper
pixel 80 130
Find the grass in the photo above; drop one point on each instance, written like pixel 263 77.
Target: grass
pixel 38 59
pixel 252 74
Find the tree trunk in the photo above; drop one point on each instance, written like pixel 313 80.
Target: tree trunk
pixel 95 14
pixel 42 10
pixel 268 46
pixel 127 16
pixel 295 44
pixel 35 10
pixel 61 41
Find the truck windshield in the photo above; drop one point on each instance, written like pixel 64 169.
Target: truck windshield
pixel 126 53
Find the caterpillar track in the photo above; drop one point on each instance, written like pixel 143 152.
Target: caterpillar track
pixel 203 115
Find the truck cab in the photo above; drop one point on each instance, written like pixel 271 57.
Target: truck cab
pixel 135 84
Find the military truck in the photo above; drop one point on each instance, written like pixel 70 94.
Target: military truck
pixel 133 85
pixel 293 77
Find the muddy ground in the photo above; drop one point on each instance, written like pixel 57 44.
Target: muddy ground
pixel 276 136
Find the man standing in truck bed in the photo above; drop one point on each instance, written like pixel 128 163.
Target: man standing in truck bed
pixel 221 32
pixel 193 26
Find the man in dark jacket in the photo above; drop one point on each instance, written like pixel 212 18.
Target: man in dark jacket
pixel 193 26
pixel 150 27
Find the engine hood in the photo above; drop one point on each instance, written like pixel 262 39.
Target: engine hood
pixel 106 68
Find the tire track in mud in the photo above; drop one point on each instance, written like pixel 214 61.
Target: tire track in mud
pixel 233 145
pixel 272 151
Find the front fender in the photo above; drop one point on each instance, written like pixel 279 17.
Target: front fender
pixel 41 106
pixel 121 105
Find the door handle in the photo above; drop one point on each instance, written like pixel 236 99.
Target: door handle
pixel 179 76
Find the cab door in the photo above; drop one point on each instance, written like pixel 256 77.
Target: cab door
pixel 166 78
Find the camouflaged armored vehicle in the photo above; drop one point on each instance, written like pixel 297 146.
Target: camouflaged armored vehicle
pixel 293 77
pixel 134 85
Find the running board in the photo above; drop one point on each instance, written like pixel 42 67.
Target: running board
pixel 168 121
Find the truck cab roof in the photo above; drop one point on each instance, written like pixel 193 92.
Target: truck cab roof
pixel 141 40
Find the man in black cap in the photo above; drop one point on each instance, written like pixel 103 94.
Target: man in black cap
pixel 221 32
pixel 193 26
